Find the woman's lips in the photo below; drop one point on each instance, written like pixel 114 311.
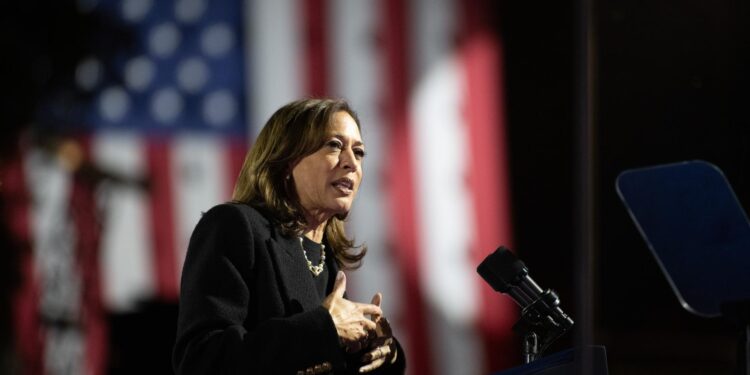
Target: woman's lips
pixel 344 185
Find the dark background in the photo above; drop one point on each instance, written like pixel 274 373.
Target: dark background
pixel 670 84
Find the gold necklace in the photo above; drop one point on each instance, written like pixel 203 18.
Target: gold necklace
pixel 316 270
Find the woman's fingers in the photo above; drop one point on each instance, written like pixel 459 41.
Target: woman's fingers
pixel 377 353
pixel 358 341
pixel 337 294
pixel 369 326
pixel 377 299
pixel 358 336
pixel 339 286
pixel 385 352
pixel 370 309
pixel 372 365
pixel 357 324
pixel 376 358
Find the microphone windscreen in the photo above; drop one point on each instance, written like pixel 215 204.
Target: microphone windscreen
pixel 502 269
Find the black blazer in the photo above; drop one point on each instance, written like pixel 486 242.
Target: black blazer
pixel 248 304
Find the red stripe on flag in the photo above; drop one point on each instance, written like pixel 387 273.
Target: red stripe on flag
pixel 315 47
pixel 16 203
pixel 404 230
pixel 162 218
pixel 481 59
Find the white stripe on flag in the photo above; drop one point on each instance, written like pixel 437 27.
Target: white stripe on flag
pixel 273 58
pixel 127 260
pixel 440 154
pixel 198 174
pixel 54 236
pixel 55 258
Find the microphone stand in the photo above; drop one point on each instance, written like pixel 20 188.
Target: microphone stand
pixel 542 320
pixel 541 323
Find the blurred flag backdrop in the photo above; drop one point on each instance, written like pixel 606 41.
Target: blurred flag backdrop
pixel 183 97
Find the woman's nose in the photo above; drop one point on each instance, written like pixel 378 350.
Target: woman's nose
pixel 348 159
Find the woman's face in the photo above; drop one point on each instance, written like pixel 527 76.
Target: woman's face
pixel 328 179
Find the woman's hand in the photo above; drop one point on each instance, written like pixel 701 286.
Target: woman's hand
pixel 382 348
pixel 352 325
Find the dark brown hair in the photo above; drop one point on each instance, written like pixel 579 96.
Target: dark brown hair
pixel 294 131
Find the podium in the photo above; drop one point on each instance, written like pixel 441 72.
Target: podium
pixel 566 362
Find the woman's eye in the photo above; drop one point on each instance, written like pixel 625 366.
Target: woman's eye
pixel 360 153
pixel 335 144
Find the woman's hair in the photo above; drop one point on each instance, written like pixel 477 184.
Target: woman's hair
pixel 294 131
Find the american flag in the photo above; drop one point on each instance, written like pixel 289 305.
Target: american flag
pixel 178 105
pixel 167 108
pixel 174 115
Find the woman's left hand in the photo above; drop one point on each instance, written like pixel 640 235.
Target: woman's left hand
pixel 382 348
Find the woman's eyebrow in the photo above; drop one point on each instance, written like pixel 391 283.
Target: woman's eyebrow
pixel 343 137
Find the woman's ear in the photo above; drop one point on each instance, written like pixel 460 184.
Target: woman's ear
pixel 289 177
pixel 290 169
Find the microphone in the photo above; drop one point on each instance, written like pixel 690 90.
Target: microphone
pixel 541 312
pixel 508 275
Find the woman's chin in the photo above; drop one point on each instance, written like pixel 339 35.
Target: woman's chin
pixel 341 209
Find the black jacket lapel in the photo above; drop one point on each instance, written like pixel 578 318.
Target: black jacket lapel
pixel 294 276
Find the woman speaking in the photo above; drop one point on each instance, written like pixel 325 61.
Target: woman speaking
pixel 262 291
